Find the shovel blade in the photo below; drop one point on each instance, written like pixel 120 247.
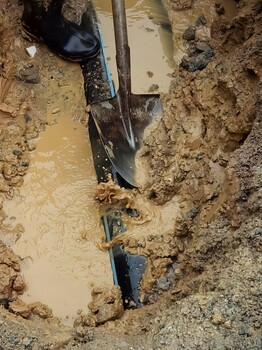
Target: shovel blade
pixel 145 108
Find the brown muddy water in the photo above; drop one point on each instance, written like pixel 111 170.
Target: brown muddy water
pixel 61 261
pixel 150 42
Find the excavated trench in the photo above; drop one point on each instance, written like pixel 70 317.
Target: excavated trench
pixel 60 217
pixel 194 223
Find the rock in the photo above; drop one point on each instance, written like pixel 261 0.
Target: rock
pixel 189 34
pixel 153 87
pixel 84 320
pixel 5 302
pixel 28 118
pixel 30 74
pixel 201 21
pixel 9 276
pixel 9 170
pixel 84 334
pixel 41 310
pixel 200 54
pixel 8 258
pixel 132 243
pixel 31 146
pixel 16 181
pixel 31 50
pixel 106 305
pixel 163 283
pixel 56 110
pixel 25 310
pixel 217 319
pixel 228 324
pixel 20 308
pixel 18 284
pixel 244 330
pixel 203 46
pixel 27 341
pixel 192 213
pixel 220 10
pixel 25 164
pixel 197 62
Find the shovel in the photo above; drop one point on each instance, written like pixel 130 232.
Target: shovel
pixel 122 118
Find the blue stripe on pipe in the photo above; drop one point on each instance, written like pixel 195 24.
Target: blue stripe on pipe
pixel 111 84
pixel 112 261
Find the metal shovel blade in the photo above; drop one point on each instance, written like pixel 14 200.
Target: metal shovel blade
pixel 121 119
pixel 113 135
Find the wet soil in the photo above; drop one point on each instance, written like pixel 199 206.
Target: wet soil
pixel 199 203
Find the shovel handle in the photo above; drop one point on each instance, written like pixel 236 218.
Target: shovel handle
pixel 122 59
pixel 122 48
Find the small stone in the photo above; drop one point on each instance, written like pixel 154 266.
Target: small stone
pixel 12 339
pixel 199 156
pixel 31 146
pixel 17 152
pixel 217 319
pixel 150 74
pixel 202 46
pixel 228 324
pixel 132 243
pixel 244 330
pixel 25 164
pixel 31 50
pixel 28 118
pixel 18 283
pixel 189 34
pixel 41 310
pixel 56 110
pixel 153 88
pixel 201 21
pixel 27 341
pixel 163 283
pixel 30 74
pixel 220 10
pixel 192 213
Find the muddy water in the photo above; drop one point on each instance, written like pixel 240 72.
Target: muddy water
pixel 150 42
pixel 61 262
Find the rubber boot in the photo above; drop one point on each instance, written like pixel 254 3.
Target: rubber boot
pixel 67 39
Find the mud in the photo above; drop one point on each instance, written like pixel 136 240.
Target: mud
pixel 199 203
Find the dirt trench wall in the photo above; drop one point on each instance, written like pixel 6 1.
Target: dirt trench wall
pixel 207 115
pixel 210 125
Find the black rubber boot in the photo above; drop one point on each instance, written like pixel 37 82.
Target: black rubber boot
pixel 65 38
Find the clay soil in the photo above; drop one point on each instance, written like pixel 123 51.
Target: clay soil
pixel 199 202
